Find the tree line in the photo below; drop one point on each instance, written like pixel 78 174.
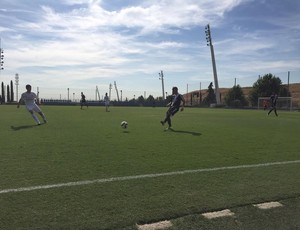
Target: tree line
pixel 8 95
pixel 263 87
pixel 235 97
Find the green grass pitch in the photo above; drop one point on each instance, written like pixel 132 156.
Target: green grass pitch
pixel 84 145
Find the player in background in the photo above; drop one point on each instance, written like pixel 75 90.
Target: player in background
pixel 265 104
pixel 30 102
pixel 83 101
pixel 273 101
pixel 174 107
pixel 106 101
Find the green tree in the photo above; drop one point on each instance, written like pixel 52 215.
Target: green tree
pixel 3 92
pixel 8 94
pixel 141 99
pixel 211 96
pixel 150 98
pixel 11 91
pixel 235 97
pixel 265 86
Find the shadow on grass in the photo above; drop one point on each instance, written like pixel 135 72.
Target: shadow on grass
pixel 186 132
pixel 17 128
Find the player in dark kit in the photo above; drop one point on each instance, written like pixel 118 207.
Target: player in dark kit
pixel 83 101
pixel 174 106
pixel 273 100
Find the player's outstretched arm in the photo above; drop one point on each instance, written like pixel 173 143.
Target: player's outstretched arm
pixel 18 105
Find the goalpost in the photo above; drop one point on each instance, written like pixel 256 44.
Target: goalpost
pixel 284 103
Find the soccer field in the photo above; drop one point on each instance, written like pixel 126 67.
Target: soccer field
pixel 81 170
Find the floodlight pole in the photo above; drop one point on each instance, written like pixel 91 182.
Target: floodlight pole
pixel 209 43
pixel 117 91
pixel 17 85
pixel 97 93
pixel 1 57
pixel 161 77
pixel 110 88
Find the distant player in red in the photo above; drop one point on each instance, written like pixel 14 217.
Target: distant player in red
pixel 30 102
pixel 265 104
pixel 174 106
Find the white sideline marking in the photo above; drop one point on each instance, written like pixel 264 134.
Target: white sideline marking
pixel 159 225
pixel 126 178
pixel 268 205
pixel 223 213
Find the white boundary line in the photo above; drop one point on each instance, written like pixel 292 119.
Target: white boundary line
pixel 126 178
pixel 154 226
pixel 218 214
pixel 268 205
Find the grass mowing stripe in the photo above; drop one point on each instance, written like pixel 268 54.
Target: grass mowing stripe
pixel 77 183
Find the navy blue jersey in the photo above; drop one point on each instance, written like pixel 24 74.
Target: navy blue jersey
pixel 176 100
pixel 273 100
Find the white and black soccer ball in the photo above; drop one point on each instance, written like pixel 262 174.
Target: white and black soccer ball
pixel 124 124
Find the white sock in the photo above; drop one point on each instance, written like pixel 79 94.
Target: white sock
pixel 35 118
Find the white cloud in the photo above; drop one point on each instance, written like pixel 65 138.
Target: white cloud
pixel 72 40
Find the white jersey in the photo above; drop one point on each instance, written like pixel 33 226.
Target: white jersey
pixel 29 99
pixel 106 100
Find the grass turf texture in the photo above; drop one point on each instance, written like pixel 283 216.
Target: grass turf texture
pixel 78 145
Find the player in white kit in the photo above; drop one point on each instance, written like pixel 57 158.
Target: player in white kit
pixel 30 101
pixel 106 101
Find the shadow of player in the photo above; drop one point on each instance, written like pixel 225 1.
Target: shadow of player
pixel 17 128
pixel 186 132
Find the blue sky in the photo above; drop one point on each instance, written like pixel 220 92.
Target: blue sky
pixel 81 44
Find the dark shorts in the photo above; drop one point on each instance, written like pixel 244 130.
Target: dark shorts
pixel 172 110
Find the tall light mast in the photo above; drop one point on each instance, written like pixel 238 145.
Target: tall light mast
pixel 17 85
pixel 115 83
pixel 1 57
pixel 110 88
pixel 161 77
pixel 209 43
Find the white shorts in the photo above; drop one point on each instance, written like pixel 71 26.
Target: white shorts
pixel 33 107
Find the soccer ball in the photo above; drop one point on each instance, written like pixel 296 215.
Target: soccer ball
pixel 124 124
